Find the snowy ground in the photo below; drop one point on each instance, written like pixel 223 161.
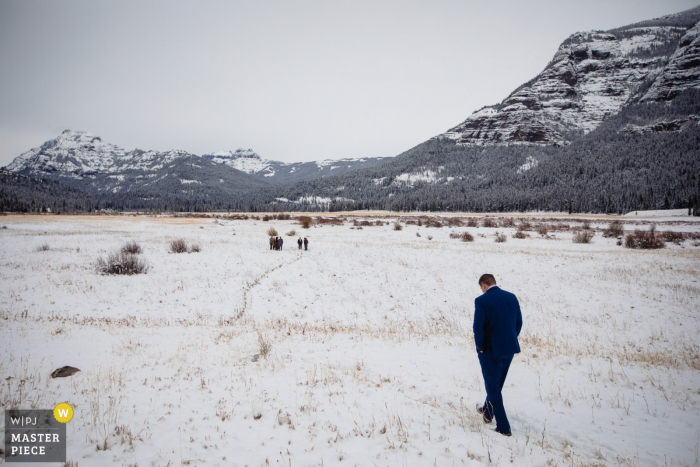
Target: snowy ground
pixel 372 359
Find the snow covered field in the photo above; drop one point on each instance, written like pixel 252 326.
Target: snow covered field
pixel 371 358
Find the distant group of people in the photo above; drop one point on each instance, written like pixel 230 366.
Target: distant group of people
pixel 276 243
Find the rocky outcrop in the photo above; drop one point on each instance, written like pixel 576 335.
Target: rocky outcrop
pixel 592 75
pixel 657 127
pixel 682 71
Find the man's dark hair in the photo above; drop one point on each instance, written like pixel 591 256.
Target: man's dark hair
pixel 487 279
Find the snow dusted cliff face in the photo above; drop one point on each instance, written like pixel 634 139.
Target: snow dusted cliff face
pixel 245 160
pixel 592 75
pixel 682 71
pixel 78 154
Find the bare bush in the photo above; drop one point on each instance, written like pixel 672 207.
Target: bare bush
pixel 613 230
pixel 291 233
pixel 455 235
pixel 524 225
pixel 472 222
pixel 520 234
pixel 672 237
pixel 417 234
pixel 433 222
pixel 194 248
pixel 266 218
pixel 467 237
pixel 455 222
pixel 178 245
pixel 644 239
pixel 488 222
pixel 501 238
pixel 121 263
pixel 542 230
pixel 398 226
pixel 429 237
pixel 272 232
pixel 586 225
pixel 43 247
pixel 582 236
pixel 305 222
pixel 507 222
pixel 264 346
pixel 132 248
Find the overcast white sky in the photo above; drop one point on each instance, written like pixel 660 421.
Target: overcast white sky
pixel 293 80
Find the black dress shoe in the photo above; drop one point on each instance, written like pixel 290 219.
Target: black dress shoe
pixel 504 434
pixel 480 409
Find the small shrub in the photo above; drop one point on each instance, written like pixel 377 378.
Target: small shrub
pixel 542 230
pixel 455 222
pixel 398 226
pixel 429 237
pixel 467 237
pixel 417 234
pixel 524 225
pixel 507 222
pixel 420 222
pixel 586 225
pixel 121 263
pixel 520 234
pixel 43 247
pixel 644 239
pixel 264 346
pixel 132 248
pixel 614 230
pixel 488 222
pixel 291 233
pixel 194 248
pixel 433 222
pixel 501 238
pixel 455 235
pixel 272 232
pixel 672 237
pixel 472 222
pixel 266 218
pixel 305 222
pixel 178 246
pixel 582 236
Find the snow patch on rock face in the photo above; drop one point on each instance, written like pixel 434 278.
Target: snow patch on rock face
pixel 591 76
pixel 245 160
pixel 187 182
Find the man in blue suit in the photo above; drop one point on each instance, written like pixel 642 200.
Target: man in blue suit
pixel 497 324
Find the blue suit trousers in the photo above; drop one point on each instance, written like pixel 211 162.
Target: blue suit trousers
pixel 495 370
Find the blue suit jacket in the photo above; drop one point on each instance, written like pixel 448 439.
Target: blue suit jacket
pixel 497 323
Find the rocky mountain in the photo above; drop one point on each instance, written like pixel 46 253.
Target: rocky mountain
pixel 591 77
pixel 88 163
pixel 281 173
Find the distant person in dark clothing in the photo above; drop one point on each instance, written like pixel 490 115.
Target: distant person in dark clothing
pixel 281 242
pixel 306 243
pixel 272 242
pixel 497 324
pixel 299 242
